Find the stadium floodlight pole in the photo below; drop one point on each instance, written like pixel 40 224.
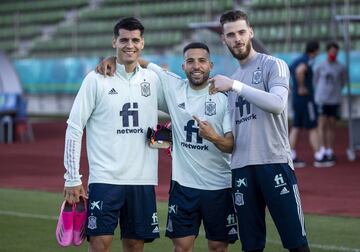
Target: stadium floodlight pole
pixel 345 20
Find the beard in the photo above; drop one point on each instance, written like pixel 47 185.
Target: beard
pixel 241 55
pixel 197 82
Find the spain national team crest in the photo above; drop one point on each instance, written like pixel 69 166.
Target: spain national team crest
pixel 92 222
pixel 257 77
pixel 239 199
pixel 145 89
pixel 210 108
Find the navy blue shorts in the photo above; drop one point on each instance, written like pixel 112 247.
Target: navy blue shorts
pixel 274 186
pixel 133 206
pixel 189 206
pixel 329 110
pixel 305 113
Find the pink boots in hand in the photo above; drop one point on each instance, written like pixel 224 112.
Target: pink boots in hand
pixel 70 229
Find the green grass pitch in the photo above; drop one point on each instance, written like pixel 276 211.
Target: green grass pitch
pixel 28 221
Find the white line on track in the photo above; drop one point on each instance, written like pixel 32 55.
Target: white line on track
pixel 312 245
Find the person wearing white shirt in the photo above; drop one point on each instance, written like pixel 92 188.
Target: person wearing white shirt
pixel 116 112
pixel 201 176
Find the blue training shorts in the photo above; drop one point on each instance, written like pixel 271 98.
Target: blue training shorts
pixel 305 113
pixel 329 110
pixel 133 206
pixel 189 206
pixel 256 187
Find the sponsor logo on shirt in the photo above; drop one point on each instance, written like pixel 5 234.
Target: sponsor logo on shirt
pixel 112 91
pixel 182 105
pixel 244 110
pixel 130 111
pixel 190 130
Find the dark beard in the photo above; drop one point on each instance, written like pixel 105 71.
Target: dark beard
pixel 241 56
pixel 196 82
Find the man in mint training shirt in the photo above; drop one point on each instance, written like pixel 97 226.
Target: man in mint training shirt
pixel 116 112
pixel 201 175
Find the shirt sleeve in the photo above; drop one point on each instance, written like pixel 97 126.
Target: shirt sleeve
pixel 273 101
pixel 81 110
pixel 162 105
pixel 166 80
pixel 166 77
pixel 227 120
pixel 278 74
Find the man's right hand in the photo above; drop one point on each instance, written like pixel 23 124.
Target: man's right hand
pixel 107 66
pixel 72 194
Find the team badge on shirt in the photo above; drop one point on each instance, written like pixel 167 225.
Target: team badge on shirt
pixel 145 89
pixel 257 77
pixel 210 108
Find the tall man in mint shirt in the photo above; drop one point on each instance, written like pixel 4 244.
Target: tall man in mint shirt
pixel 262 169
pixel 116 112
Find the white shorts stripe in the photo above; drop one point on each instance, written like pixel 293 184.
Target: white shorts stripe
pixel 299 209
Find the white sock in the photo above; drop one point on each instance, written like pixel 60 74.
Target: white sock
pixel 322 150
pixel 318 155
pixel 329 152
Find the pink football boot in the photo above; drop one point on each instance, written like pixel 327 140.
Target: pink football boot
pixel 80 215
pixel 64 228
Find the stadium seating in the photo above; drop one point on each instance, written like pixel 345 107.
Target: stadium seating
pixel 36 28
pixel 288 23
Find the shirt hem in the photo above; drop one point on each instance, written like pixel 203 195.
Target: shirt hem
pixel 208 188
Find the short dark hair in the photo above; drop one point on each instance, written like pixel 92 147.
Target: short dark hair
pixel 312 46
pixel 234 15
pixel 130 24
pixel 332 44
pixel 196 45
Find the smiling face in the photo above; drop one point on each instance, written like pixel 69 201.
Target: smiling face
pixel 237 36
pixel 128 45
pixel 197 67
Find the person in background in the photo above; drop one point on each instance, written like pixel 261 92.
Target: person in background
pixel 303 104
pixel 329 78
